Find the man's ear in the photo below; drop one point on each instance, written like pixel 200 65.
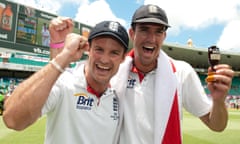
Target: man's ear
pixel 165 35
pixel 131 34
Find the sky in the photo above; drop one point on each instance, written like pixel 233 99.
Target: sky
pixel 205 22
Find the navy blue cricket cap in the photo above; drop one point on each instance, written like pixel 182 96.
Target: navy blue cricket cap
pixel 150 14
pixel 110 28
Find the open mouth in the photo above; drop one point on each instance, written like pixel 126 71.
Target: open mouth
pixel 148 49
pixel 103 68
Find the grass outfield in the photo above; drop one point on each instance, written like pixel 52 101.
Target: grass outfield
pixel 32 135
pixel 194 132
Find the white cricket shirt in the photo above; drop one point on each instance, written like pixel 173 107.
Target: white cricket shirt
pixel 75 116
pixel 138 104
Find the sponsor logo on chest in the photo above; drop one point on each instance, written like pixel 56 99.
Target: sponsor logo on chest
pixel 84 102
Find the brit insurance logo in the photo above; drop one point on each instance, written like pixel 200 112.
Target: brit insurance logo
pixel 84 102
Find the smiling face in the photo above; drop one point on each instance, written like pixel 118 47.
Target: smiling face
pixel 105 56
pixel 147 41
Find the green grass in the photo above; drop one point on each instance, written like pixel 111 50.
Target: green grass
pixel 32 135
pixel 194 132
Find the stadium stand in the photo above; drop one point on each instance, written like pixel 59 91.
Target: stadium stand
pixel 26 59
pixel 26 62
pixel 235 89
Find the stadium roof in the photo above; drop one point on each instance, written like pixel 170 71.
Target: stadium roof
pixel 198 57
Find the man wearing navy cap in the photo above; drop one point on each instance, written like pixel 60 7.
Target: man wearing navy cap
pixel 80 105
pixel 153 87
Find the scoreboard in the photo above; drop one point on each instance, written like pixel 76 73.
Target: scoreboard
pixel 25 28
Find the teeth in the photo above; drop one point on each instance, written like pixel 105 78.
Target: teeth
pixel 148 47
pixel 103 67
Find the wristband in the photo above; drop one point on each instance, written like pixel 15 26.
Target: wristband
pixel 56 45
pixel 57 66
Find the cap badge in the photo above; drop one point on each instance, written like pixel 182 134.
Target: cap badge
pixel 113 26
pixel 152 9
